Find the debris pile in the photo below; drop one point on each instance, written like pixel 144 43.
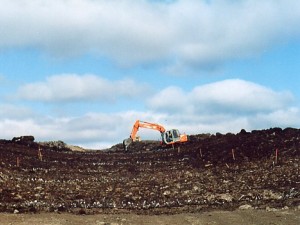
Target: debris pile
pixel 258 169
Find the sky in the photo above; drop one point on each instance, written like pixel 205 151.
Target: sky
pixel 83 71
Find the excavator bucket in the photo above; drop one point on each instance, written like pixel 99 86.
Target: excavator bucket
pixel 126 143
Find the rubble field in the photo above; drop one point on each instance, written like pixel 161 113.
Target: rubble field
pixel 248 170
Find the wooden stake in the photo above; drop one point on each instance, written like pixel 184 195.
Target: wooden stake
pixel 276 155
pixel 40 155
pixel 201 153
pixel 233 156
pixel 18 162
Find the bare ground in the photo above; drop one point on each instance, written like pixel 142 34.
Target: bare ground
pixel 238 217
pixel 207 181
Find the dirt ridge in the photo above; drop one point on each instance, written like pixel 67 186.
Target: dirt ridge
pixel 257 169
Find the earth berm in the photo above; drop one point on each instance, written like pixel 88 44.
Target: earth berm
pixel 257 170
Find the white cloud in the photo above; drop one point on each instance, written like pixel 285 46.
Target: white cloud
pixel 239 96
pixel 73 87
pixel 233 95
pixel 170 98
pixel 225 106
pixel 13 128
pixel 187 33
pixel 288 117
pixel 91 130
pixel 10 111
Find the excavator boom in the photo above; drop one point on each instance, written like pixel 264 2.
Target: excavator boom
pixel 144 124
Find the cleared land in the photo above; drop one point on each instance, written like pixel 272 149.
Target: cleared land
pixel 258 171
pixel 248 217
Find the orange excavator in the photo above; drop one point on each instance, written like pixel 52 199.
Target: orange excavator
pixel 169 137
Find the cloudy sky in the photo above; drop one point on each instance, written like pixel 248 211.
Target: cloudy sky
pixel 82 71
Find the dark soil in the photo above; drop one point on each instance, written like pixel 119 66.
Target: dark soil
pixel 258 169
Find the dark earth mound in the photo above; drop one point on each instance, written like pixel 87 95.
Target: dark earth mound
pixel 258 169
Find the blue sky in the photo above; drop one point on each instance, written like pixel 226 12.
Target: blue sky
pixel 83 71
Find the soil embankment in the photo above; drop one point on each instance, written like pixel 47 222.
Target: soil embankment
pixel 251 170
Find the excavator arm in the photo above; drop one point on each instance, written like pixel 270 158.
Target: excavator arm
pixel 144 124
pixel 135 129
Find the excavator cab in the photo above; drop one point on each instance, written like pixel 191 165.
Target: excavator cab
pixel 171 136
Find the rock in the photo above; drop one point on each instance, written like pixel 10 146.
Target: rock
pixel 57 145
pixel 24 140
pixel 243 132
pixel 245 207
pixel 39 188
pixel 196 188
pixel 187 192
pixel 16 211
pixel 269 209
pixel 269 194
pixel 18 197
pixel 226 197
pixel 167 193
pixel 102 223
